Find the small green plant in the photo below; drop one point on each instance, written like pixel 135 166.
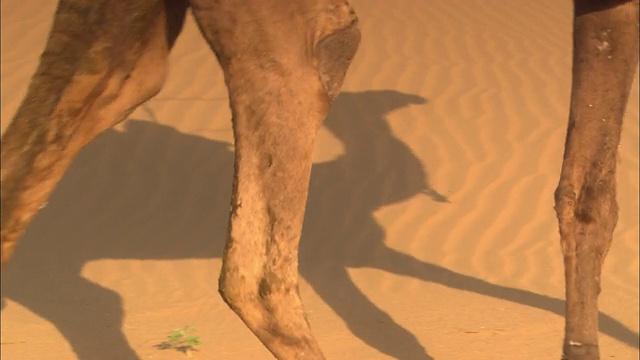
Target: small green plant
pixel 183 339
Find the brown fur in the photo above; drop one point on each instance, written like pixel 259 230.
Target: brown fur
pixel 284 62
pixel 604 61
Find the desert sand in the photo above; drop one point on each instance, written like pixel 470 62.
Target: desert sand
pixel 430 226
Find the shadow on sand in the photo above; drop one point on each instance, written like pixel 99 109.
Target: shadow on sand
pixel 113 203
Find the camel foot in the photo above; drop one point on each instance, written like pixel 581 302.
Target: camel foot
pixel 573 350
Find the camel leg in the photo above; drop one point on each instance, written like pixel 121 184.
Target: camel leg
pixel 102 59
pixel 284 62
pixel 605 59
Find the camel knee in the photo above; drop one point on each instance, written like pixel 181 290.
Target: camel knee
pixel 587 217
pixel 238 284
pixel 271 307
pixel 238 288
pixel 592 203
pixel 233 288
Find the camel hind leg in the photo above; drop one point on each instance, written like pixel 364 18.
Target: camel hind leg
pixel 605 59
pixel 284 62
pixel 102 59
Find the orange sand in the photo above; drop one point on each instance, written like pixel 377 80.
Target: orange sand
pixel 464 101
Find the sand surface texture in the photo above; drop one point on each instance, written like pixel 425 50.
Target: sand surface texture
pixel 430 229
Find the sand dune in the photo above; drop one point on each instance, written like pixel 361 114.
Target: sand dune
pixel 430 226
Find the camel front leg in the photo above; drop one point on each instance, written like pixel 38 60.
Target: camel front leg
pixel 102 59
pixel 605 59
pixel 284 62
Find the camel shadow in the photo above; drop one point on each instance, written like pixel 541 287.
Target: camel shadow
pixel 130 195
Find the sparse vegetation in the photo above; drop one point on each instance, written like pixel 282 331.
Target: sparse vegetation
pixel 183 339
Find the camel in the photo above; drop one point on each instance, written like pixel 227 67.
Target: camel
pixel 284 63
